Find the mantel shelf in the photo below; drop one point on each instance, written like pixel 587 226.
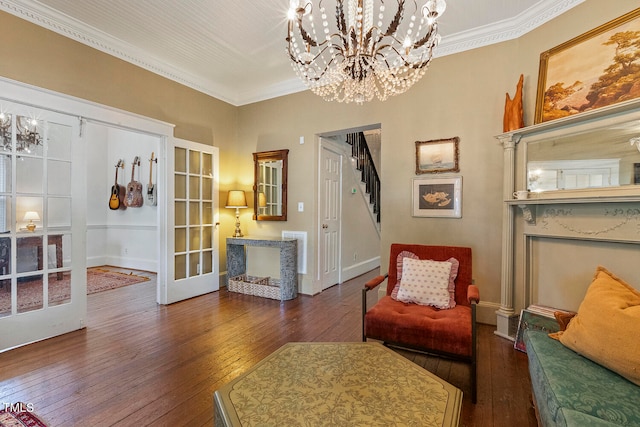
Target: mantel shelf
pixel 574 200
pixel 577 119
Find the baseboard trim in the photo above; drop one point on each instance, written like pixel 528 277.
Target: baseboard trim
pixel 360 268
pixel 133 263
pixel 486 312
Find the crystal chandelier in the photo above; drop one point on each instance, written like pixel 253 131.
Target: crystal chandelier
pixel 355 60
pixel 27 135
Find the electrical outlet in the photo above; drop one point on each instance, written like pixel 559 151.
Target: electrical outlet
pixel 126 251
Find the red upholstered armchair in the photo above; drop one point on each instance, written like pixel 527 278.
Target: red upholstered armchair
pixel 445 332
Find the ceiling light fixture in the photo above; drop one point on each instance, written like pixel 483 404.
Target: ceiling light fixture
pixel 355 60
pixel 27 135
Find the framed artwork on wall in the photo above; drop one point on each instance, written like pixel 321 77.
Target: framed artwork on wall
pixel 438 155
pixel 593 70
pixel 437 197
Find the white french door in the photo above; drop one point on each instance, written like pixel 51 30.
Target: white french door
pixel 192 218
pixel 42 225
pixel 330 182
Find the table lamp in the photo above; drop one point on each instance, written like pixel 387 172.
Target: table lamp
pixel 31 216
pixel 262 200
pixel 237 199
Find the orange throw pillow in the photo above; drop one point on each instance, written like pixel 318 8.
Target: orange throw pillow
pixel 607 326
pixel 563 318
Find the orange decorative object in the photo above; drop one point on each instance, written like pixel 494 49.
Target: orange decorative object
pixel 513 116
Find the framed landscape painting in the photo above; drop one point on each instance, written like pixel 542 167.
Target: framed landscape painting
pixel 594 70
pixel 437 197
pixel 438 155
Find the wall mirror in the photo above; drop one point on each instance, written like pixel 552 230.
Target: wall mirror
pixel 594 158
pixel 270 185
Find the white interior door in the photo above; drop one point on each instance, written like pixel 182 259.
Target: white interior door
pixel 42 269
pixel 192 217
pixel 330 182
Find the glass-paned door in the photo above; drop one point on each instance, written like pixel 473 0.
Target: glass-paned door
pixel 42 263
pixel 192 216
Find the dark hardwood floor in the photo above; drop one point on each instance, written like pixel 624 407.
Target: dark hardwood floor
pixel 138 363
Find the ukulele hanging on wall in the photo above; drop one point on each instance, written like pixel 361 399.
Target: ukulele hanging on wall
pixel 151 188
pixel 116 201
pixel 134 188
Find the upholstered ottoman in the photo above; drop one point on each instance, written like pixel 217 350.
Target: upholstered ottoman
pixel 354 384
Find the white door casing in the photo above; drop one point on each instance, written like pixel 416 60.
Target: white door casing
pixel 62 198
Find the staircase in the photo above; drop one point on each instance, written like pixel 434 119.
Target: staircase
pixel 369 175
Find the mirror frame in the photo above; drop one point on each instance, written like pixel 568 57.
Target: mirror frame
pixel 270 156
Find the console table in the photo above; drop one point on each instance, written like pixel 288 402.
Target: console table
pixel 237 263
pixel 30 241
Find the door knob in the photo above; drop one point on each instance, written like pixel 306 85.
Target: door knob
pixel 325 226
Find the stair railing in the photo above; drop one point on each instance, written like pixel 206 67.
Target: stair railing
pixel 364 163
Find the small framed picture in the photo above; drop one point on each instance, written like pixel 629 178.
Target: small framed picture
pixel 437 197
pixel 438 155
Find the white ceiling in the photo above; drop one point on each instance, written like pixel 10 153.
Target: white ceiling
pixel 234 50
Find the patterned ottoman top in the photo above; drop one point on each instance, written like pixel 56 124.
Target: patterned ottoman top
pixel 340 384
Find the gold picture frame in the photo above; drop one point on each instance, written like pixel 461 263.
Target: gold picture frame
pixel 437 156
pixel 437 197
pixel 589 71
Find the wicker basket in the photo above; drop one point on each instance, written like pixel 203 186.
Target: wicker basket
pixel 264 287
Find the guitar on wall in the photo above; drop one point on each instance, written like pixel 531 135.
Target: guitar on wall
pixel 151 189
pixel 134 198
pixel 117 191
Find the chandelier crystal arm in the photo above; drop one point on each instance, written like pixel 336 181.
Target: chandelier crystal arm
pixel 393 26
pixel 340 18
pixel 427 37
pixel 306 37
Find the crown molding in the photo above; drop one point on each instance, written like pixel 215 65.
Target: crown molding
pixel 502 31
pixel 46 17
pixel 50 19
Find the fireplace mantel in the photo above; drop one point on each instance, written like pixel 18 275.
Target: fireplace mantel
pixel 579 217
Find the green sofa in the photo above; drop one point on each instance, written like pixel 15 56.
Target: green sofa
pixel 571 390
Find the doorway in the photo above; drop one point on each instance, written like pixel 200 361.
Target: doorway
pixel 171 232
pixel 348 229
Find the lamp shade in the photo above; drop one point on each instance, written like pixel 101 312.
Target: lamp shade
pixel 236 199
pixel 31 216
pixel 262 200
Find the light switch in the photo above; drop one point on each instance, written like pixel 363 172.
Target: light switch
pixel 300 206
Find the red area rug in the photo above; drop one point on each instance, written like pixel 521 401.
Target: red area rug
pixel 30 292
pixel 99 279
pixel 19 415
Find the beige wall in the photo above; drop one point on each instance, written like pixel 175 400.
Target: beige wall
pixel 45 59
pixel 461 95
